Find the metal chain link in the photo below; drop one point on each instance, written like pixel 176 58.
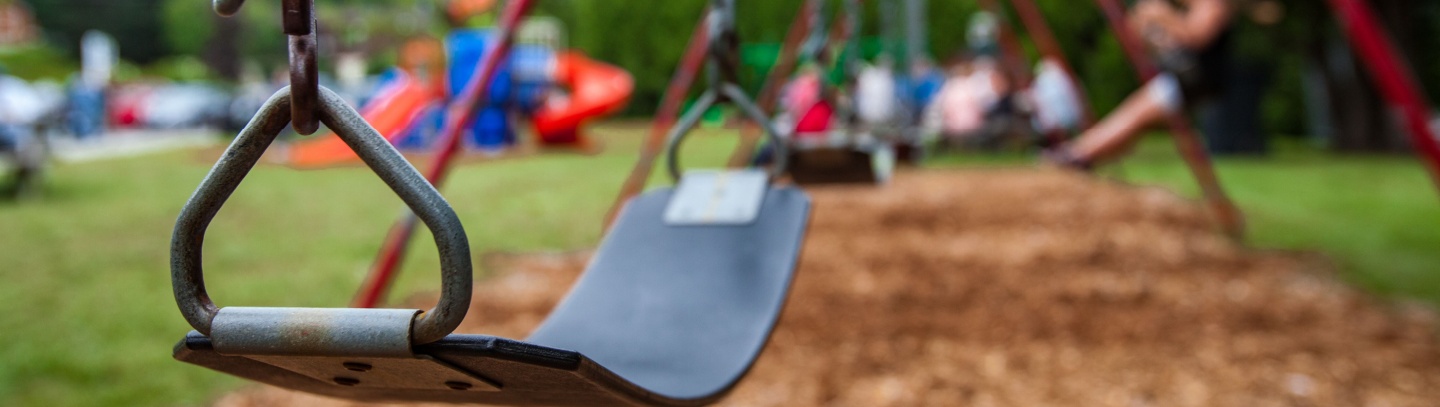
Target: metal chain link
pixel 299 24
pixel 724 79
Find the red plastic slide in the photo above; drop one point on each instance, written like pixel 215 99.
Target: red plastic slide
pixel 596 89
pixel 391 112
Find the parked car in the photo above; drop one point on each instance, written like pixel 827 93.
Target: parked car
pixel 183 106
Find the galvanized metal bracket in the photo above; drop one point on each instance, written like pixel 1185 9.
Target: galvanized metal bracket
pixel 713 197
pixel 299 24
pixel 340 346
pixel 312 331
pixel 187 242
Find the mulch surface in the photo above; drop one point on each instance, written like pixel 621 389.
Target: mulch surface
pixel 1030 288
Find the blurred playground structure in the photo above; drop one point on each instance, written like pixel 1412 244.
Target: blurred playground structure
pixel 557 90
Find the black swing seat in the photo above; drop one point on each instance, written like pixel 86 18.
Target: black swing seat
pixel 840 159
pixel 664 315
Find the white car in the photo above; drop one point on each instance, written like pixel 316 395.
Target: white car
pixel 185 106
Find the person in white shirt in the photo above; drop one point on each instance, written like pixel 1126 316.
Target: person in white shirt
pixel 875 93
pixel 1052 95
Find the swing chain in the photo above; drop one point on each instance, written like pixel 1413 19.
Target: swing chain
pixel 724 44
pixel 299 24
pixel 304 105
pixel 815 41
pixel 723 62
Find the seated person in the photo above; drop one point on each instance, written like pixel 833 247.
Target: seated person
pixel 1191 40
pixel 923 82
pixel 805 113
pixel 875 94
pixel 1054 105
pixel 806 103
pixel 961 111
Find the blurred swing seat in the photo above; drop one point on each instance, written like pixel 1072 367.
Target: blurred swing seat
pixel 839 157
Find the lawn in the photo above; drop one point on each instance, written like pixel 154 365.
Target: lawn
pixel 1378 216
pixel 88 318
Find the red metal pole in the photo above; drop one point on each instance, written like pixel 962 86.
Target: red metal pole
pixel 1044 39
pixel 1395 81
pixel 1186 140
pixel 458 113
pixel 785 62
pixel 680 82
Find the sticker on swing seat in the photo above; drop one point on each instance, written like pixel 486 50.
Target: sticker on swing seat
pixel 717 197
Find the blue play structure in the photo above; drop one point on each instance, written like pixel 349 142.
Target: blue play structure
pixel 519 88
pixel 555 92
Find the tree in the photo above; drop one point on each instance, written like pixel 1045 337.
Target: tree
pixel 134 24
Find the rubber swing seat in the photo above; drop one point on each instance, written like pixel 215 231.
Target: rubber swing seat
pixel 664 315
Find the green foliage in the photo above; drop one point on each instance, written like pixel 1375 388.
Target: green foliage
pixel 135 24
pixel 646 38
pixel 188 25
pixel 35 63
pixel 126 71
pixel 947 21
pixel 180 68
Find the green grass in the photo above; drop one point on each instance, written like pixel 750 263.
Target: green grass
pixel 37 62
pixel 88 319
pixel 1378 216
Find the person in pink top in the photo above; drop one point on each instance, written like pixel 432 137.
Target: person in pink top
pixel 959 111
pixel 805 102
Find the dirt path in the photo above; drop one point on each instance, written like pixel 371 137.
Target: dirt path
pixel 1027 288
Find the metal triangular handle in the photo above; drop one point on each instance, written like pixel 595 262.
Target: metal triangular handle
pixel 187 273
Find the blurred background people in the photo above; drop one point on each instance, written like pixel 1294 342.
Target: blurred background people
pixel 876 96
pixel 965 109
pixel 806 103
pixel 1052 101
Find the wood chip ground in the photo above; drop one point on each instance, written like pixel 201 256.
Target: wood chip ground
pixel 1032 288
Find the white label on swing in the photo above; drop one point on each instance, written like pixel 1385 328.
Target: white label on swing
pixel 716 197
